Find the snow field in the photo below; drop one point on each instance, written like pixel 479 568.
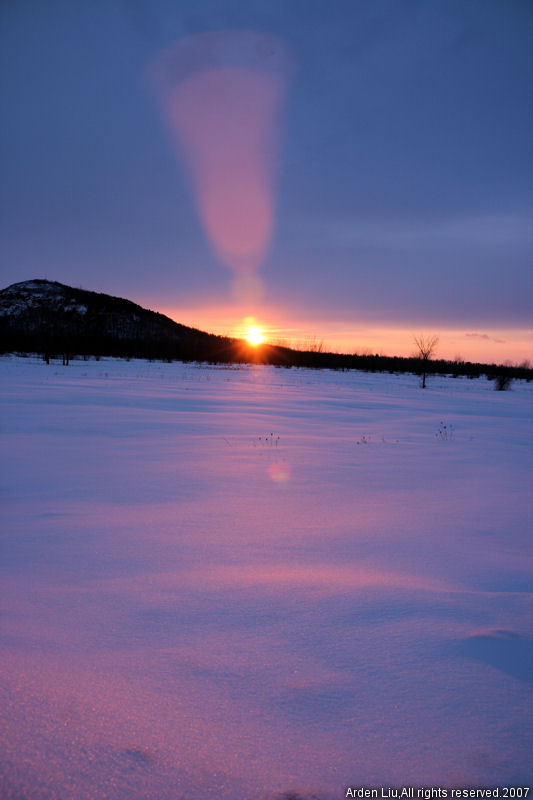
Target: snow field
pixel 240 582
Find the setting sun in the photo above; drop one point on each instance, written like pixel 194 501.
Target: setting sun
pixel 254 336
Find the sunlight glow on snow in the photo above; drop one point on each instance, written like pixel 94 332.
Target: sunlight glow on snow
pixel 280 472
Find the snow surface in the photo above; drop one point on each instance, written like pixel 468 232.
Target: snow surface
pixel 241 582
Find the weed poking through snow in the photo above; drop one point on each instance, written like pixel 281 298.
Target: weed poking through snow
pixel 445 433
pixel 266 441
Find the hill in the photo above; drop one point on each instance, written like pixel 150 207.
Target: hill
pixel 51 318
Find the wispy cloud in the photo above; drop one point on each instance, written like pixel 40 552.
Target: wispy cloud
pixel 489 229
pixel 486 337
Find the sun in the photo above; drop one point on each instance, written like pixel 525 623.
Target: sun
pixel 254 336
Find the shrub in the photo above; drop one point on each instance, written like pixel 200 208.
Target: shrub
pixel 502 383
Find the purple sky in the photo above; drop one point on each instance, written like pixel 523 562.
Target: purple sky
pixel 403 185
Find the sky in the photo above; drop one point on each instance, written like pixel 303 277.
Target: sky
pixel 347 173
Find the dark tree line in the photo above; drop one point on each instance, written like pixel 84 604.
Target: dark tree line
pixel 224 350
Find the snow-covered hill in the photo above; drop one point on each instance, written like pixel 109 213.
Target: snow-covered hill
pixel 41 316
pixel 25 297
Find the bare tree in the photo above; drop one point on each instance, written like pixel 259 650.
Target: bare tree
pixel 426 345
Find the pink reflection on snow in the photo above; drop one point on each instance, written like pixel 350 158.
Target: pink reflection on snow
pixel 280 472
pixel 322 577
pixel 221 93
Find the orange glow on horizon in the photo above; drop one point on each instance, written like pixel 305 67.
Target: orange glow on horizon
pixel 343 336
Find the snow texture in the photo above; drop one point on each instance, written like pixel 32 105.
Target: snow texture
pixel 250 582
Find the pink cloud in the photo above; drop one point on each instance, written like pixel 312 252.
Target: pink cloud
pixel 221 93
pixel 484 336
